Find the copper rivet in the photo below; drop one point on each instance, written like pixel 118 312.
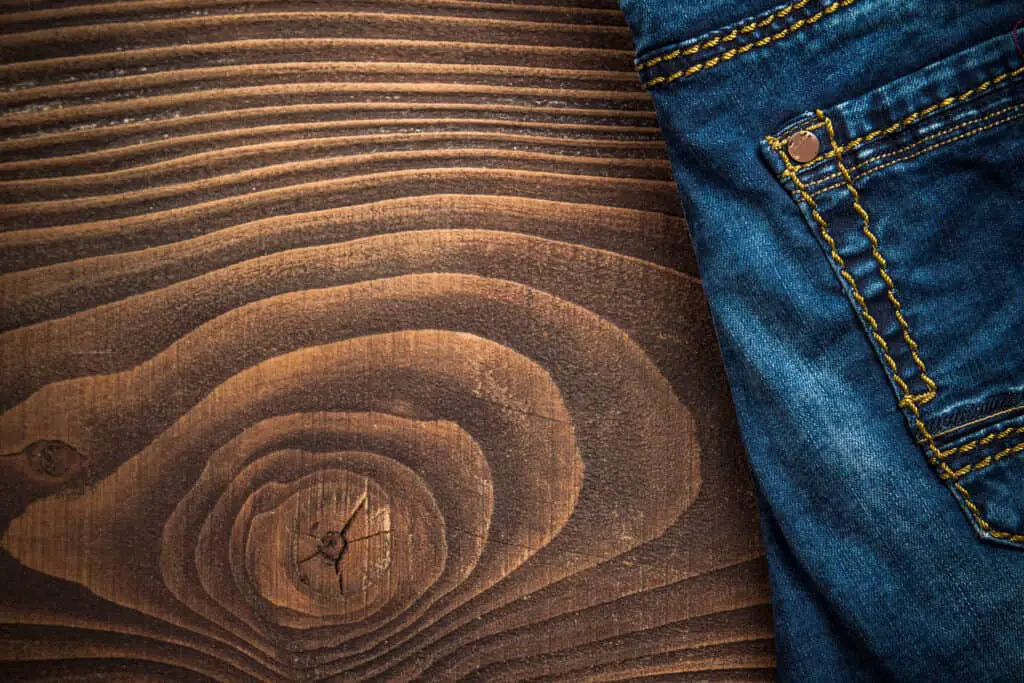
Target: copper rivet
pixel 803 146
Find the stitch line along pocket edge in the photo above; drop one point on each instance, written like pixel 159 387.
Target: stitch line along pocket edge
pixel 908 401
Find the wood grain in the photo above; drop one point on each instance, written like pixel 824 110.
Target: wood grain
pixel 356 341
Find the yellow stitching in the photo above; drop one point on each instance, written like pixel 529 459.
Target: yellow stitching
pixel 905 148
pixel 985 462
pixel 844 273
pixel 947 474
pixel 725 38
pixel 882 265
pixel 930 148
pixel 906 400
pixel 856 142
pixel 971 445
pixel 735 52
pixel 982 522
pixel 934 107
pixel 917 143
pixel 910 401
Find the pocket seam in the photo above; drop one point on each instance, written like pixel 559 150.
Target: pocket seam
pixel 907 395
pixel 777 144
pixel 985 462
pixel 922 152
pixel 941 104
pixel 969 125
pixel 908 400
pixel 882 271
pixel 983 441
pixel 961 479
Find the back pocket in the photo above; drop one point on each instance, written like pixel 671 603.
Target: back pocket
pixel 915 192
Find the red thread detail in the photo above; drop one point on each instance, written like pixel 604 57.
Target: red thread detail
pixel 1016 41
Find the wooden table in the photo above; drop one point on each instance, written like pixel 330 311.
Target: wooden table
pixel 356 340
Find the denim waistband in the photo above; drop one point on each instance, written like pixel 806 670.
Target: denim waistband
pixel 713 48
pixel 660 26
pixel 727 45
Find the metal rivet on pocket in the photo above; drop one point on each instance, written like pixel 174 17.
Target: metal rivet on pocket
pixel 803 146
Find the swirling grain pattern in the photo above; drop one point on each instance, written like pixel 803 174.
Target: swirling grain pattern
pixel 353 341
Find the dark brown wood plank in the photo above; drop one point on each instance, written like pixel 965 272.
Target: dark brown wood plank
pixel 356 342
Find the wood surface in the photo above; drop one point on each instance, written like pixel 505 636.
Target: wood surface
pixel 356 340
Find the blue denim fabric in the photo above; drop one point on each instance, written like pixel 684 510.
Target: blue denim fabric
pixel 870 308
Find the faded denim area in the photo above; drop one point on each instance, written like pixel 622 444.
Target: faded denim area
pixel 869 303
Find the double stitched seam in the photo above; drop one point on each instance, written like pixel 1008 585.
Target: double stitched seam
pixel 844 273
pixel 945 102
pixel 982 441
pixel 970 124
pixel 985 462
pixel 931 148
pixel 947 474
pixel 1001 435
pixel 724 38
pixel 736 51
pixel 907 399
pixel 890 286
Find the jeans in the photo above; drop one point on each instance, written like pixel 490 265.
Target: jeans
pixel 853 176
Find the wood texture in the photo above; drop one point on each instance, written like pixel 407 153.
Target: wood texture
pixel 356 340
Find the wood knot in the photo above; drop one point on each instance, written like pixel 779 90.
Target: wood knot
pixel 338 547
pixel 53 460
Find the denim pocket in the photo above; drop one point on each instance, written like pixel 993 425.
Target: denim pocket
pixel 915 192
